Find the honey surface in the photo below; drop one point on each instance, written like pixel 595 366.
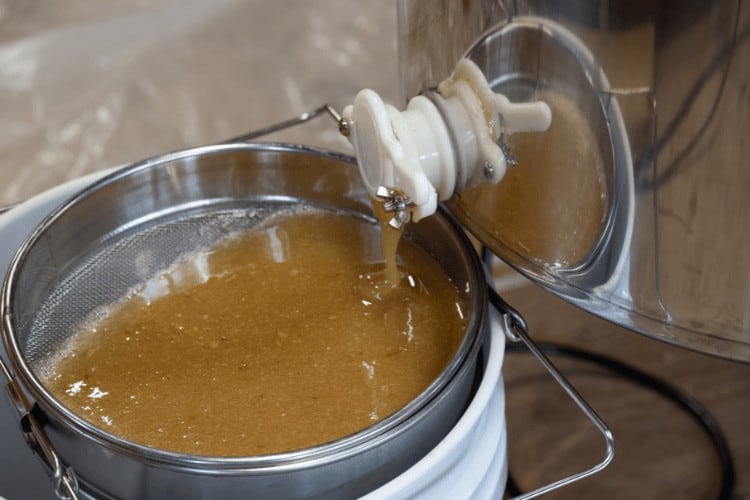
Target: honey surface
pixel 284 337
pixel 552 207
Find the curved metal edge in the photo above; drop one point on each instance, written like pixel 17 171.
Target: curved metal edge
pixel 517 331
pixel 64 479
pixel 167 459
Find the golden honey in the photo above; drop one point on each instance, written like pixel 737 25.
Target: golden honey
pixel 281 338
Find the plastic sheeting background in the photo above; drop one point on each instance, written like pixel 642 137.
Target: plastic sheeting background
pixel 86 85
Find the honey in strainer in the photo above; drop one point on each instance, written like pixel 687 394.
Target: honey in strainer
pixel 282 338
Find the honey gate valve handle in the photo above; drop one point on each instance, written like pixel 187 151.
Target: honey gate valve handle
pixel 443 142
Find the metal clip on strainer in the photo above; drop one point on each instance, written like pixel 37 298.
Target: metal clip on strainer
pixel 66 485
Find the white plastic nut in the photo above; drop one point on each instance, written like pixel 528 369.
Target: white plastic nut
pixel 429 153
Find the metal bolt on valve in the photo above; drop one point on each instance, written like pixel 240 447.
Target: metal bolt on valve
pixel 396 203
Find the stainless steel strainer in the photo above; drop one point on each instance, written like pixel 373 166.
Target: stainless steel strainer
pixel 126 227
pixel 136 222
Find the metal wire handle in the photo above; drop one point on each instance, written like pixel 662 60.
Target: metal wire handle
pixel 517 331
pixel 304 117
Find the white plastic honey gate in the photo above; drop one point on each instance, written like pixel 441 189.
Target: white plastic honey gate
pixel 443 142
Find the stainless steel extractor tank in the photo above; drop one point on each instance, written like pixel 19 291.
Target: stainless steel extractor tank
pixel 633 205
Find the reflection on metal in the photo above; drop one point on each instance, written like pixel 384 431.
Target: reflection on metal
pixel 663 89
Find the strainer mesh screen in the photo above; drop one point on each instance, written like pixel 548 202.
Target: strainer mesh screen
pixel 58 299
